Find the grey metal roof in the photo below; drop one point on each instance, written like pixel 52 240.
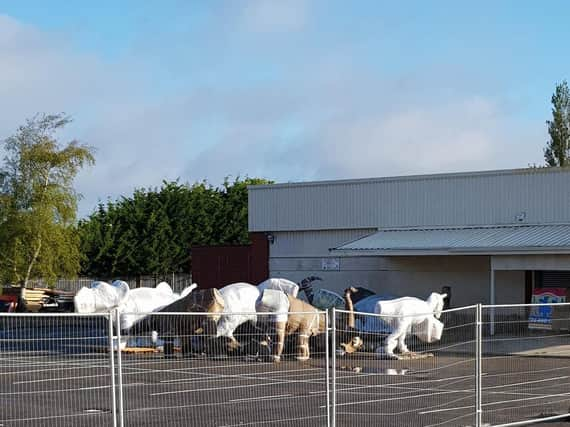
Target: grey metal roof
pixel 496 198
pixel 400 178
pixel 552 238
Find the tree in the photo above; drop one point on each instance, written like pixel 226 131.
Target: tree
pixel 38 238
pixel 557 151
pixel 152 231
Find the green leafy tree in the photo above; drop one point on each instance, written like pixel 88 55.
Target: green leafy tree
pixel 557 151
pixel 101 247
pixel 153 231
pixel 231 218
pixel 38 238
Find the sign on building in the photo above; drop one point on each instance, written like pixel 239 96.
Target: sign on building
pixel 330 264
pixel 543 316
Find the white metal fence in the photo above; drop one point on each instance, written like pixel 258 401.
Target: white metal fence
pixel 189 376
pixel 433 384
pixel 177 281
pixel 56 370
pixel 525 363
pixel 492 366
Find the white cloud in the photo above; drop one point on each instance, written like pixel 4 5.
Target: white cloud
pixel 328 119
pixel 274 16
pixel 135 135
pixel 364 127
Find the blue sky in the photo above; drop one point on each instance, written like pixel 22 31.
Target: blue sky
pixel 289 90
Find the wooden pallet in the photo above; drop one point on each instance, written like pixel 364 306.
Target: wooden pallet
pixel 134 350
pixel 413 356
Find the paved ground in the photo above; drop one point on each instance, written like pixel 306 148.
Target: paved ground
pixel 440 391
pixel 74 390
pixel 52 375
pixel 70 391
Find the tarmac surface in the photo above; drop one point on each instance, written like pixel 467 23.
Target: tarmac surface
pixel 75 390
pixel 57 373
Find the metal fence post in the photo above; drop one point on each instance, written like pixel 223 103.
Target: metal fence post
pixel 478 371
pixel 327 367
pixel 119 367
pixel 112 367
pixel 333 350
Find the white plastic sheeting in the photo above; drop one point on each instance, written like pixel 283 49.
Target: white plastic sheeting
pixel 430 330
pixel 238 298
pixel 135 303
pixel 273 301
pixel 410 314
pixel 280 284
pixel 100 297
pixel 140 301
pixel 241 298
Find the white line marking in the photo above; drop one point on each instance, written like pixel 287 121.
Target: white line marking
pixel 217 388
pixel 283 420
pixel 260 398
pixel 55 391
pixel 253 373
pixel 524 383
pixel 436 411
pixel 399 398
pixel 108 376
pixel 56 417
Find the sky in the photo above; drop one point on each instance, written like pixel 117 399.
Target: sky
pixel 288 90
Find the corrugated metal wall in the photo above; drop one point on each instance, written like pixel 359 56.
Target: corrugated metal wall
pixel 312 243
pixel 307 219
pixel 484 198
pixel 468 276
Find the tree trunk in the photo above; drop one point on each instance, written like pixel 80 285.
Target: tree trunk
pixel 32 262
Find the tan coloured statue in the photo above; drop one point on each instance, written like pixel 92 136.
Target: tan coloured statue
pixel 294 316
pixel 354 342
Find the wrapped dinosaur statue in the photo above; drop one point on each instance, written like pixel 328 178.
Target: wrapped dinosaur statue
pixel 240 303
pixel 209 303
pixel 290 315
pixel 410 314
pixel 102 297
pixel 239 313
pixel 280 284
pixel 400 317
pixel 234 306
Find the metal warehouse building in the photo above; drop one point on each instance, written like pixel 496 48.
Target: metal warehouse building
pixel 491 236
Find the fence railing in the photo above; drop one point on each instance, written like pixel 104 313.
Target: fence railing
pixel 429 382
pixel 491 365
pixel 57 370
pixel 525 361
pixel 177 281
pixel 191 376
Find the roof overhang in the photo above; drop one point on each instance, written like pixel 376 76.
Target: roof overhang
pixel 496 240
